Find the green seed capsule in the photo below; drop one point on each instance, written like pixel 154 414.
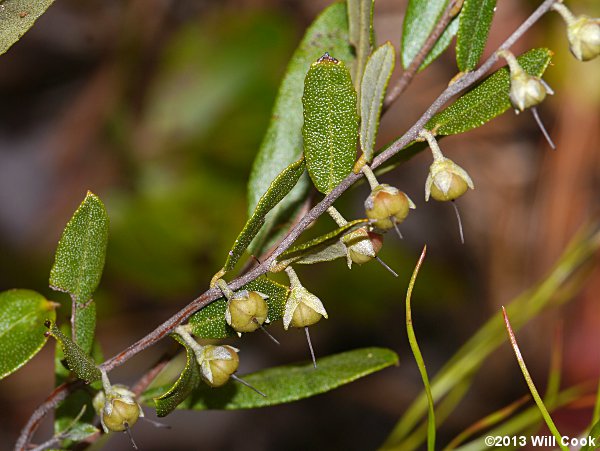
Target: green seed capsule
pixel 218 363
pixel 246 311
pixel 387 205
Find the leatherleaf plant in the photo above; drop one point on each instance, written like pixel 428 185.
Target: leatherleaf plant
pixel 320 142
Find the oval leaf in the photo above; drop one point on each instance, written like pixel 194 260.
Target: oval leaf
pixel 360 25
pixel 292 382
pixel 18 16
pixel 475 22
pixel 77 360
pixel 79 258
pixel 22 316
pixel 188 380
pixel 487 100
pixel 419 21
pixel 210 321
pixel 374 83
pixel 278 189
pixel 282 144
pixel 330 123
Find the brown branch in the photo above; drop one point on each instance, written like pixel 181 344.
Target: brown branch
pixel 407 76
pixel 213 294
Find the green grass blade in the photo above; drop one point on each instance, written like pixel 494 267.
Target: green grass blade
pixel 561 284
pixel 536 396
pixel 414 346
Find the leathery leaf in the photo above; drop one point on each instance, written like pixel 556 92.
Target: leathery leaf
pixel 330 122
pixel 188 380
pixel 288 383
pixel 279 188
pixel 22 316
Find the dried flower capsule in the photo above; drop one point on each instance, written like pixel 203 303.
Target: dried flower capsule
pixel 526 90
pixel 583 33
pixel 387 205
pixel 116 406
pixel 362 246
pixel 246 311
pixel 302 308
pixel 446 181
pixel 217 363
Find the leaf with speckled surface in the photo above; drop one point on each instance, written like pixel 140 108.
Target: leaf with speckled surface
pixel 419 21
pixel 289 383
pixel 210 321
pixel 77 360
pixel 278 189
pixel 320 243
pixel 282 144
pixel 330 127
pixel 22 316
pixel 488 99
pixel 475 22
pixel 18 16
pixel 188 380
pixel 378 71
pixel 79 258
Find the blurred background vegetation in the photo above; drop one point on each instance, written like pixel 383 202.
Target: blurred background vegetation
pixel 159 106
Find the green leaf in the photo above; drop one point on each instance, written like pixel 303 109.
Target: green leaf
pixel 374 83
pixel 279 188
pixel 22 316
pixel 442 43
pixel 488 99
pixel 210 321
pixel 360 25
pixel 320 243
pixel 282 144
pixel 79 258
pixel 292 382
pixel 475 22
pixel 330 122
pixel 77 360
pixel 188 380
pixel 420 20
pixel 80 431
pixel 85 325
pixel 595 434
pixel 18 16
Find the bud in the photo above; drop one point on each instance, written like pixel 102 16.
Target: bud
pixel 117 408
pixel 387 205
pixel 217 363
pixel 302 308
pixel 246 311
pixel 583 33
pixel 446 181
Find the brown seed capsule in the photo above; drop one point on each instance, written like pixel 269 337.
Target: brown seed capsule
pixel 362 246
pixel 246 311
pixel 218 363
pixel 387 205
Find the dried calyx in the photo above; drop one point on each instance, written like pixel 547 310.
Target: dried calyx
pixel 386 206
pixel 583 33
pixel 302 308
pixel 217 363
pixel 246 310
pixel 117 407
pixel 446 180
pixel 526 90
